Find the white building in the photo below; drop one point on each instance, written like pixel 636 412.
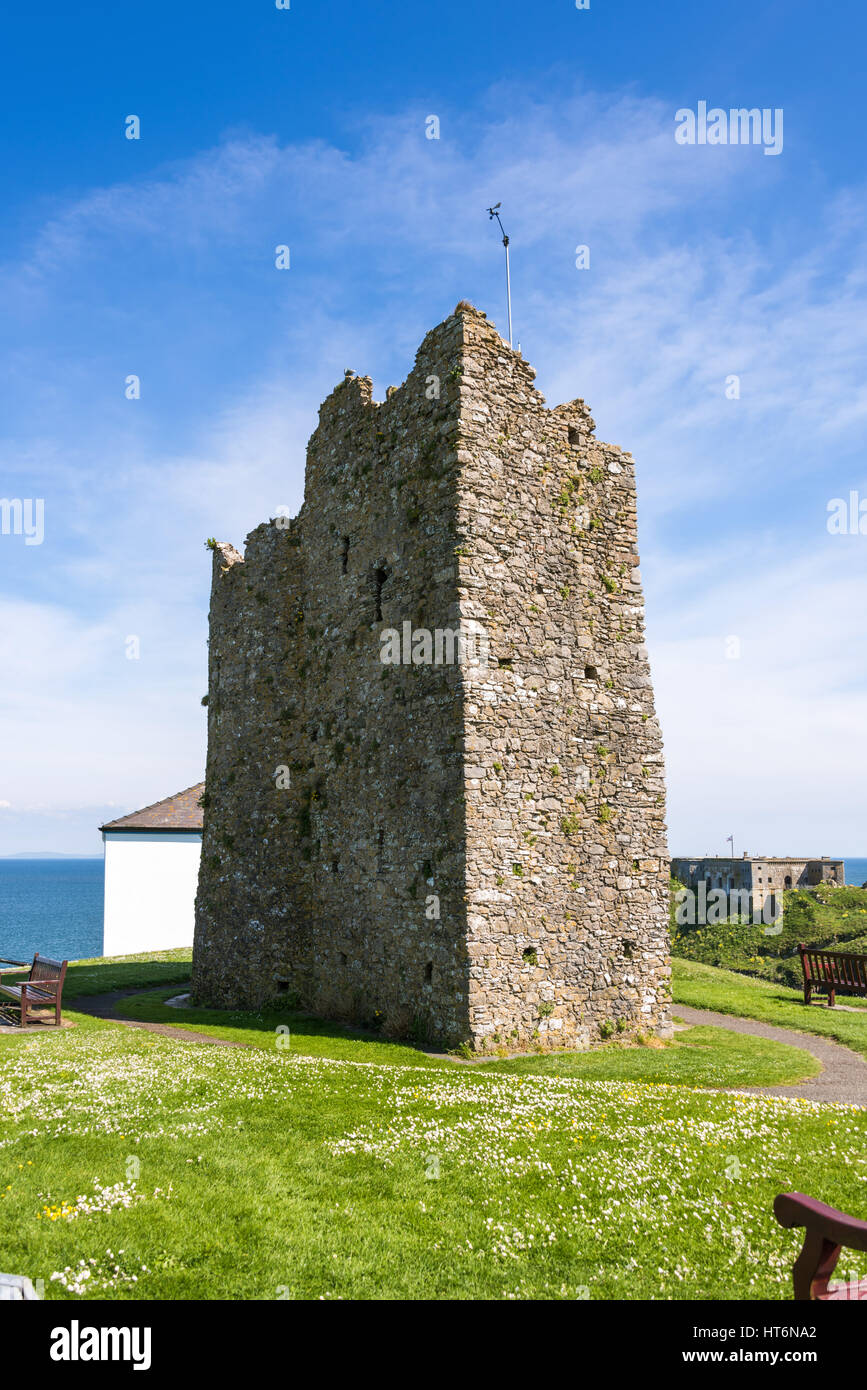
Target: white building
pixel 151 875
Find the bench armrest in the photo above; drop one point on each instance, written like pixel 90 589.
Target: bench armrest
pixel 36 989
pixel 794 1209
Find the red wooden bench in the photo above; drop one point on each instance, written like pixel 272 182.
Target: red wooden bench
pixel 832 970
pixel 827 1232
pixel 42 989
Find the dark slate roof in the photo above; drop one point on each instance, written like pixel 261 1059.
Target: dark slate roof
pixel 179 812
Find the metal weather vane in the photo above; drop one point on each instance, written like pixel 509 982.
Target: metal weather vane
pixel 494 212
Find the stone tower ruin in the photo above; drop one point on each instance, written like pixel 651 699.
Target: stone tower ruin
pixel 434 794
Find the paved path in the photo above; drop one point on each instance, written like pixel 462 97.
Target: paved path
pixel 844 1073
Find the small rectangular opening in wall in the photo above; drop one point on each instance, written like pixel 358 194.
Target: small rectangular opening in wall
pixel 343 960
pixel 282 986
pixel 344 555
pixel 335 866
pixel 428 972
pixel 591 673
pixel 381 575
pixel 380 850
pixel 507 662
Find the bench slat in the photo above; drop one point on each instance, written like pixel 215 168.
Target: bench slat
pixel 843 970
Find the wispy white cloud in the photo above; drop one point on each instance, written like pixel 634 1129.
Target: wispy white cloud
pixel 769 744
pixel 686 286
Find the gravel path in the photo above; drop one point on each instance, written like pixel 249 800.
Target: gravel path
pixel 844 1075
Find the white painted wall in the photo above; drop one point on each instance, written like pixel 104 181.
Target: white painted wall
pixel 150 889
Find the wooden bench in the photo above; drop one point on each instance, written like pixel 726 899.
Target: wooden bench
pixel 42 988
pixel 833 970
pixel 827 1232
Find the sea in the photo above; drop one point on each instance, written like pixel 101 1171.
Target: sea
pixel 856 872
pixel 54 906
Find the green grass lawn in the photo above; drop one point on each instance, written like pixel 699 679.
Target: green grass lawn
pixel 324 1164
pixel 127 972
pixel 105 973
pixel 698 1057
pixel 327 1164
pixel 708 1057
pixel 306 1035
pixel 705 987
pixel 170 1171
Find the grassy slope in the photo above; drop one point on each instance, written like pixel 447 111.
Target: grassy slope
pixel 705 987
pixel 105 973
pixel 831 917
pixel 127 972
pixel 700 1057
pixel 319 1177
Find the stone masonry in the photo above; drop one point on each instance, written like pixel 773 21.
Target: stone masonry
pixel 457 850
pixel 758 876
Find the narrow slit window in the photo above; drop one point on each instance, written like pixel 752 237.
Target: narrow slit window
pixel 380 576
pixel 344 555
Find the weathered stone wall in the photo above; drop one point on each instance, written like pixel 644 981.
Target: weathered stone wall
pixel 567 874
pixel 462 852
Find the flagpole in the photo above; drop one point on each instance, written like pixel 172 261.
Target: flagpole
pixel 493 212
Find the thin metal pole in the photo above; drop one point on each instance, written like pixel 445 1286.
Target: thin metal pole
pixel 494 212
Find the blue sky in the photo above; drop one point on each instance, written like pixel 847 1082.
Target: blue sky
pixel 259 127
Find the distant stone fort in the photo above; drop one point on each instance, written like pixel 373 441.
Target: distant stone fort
pixel 760 877
pixel 458 838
